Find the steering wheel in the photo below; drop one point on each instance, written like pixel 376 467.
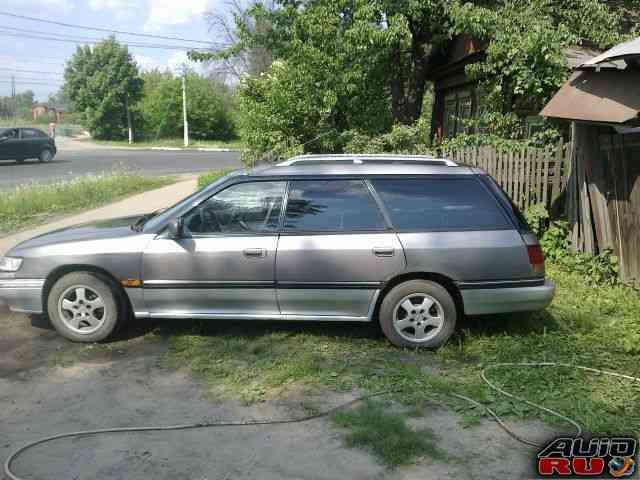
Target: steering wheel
pixel 208 217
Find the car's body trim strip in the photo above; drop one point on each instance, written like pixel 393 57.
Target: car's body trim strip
pixel 257 316
pixel 189 284
pixel 19 283
pixel 489 284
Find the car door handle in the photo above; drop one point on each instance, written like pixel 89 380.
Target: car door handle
pixel 383 251
pixel 255 252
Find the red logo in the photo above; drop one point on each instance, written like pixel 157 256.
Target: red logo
pixel 567 457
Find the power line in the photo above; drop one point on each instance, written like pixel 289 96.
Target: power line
pixel 32 83
pixel 95 41
pixel 31 79
pixel 17 70
pixel 33 58
pixel 108 30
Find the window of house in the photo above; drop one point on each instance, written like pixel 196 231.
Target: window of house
pixel 458 109
pixel 331 206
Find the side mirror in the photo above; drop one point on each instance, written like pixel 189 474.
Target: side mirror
pixel 175 228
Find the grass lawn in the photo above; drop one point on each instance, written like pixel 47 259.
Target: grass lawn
pixel 34 204
pixel 585 325
pixel 173 143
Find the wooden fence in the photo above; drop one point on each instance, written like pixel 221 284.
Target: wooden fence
pixel 529 176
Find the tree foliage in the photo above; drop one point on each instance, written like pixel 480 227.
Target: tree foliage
pixel 102 81
pixel 20 106
pixel 364 65
pixel 208 105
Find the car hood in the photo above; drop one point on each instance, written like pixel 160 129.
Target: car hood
pixel 103 229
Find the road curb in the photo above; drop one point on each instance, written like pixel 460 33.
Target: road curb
pixel 175 149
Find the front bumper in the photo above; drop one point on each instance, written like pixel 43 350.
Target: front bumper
pixel 22 294
pixel 505 300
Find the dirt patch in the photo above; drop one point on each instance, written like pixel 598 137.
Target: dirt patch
pixel 48 385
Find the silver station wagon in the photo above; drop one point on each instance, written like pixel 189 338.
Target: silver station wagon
pixel 411 242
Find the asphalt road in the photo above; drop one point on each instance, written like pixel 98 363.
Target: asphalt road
pixel 76 161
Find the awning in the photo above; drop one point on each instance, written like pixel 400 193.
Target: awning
pixel 622 51
pixel 608 96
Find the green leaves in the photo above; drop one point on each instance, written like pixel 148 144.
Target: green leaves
pixel 101 81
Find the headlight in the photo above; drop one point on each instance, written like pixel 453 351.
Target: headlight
pixel 10 264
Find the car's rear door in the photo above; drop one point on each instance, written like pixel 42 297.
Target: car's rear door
pixel 224 265
pixel 31 142
pixel 453 225
pixel 335 250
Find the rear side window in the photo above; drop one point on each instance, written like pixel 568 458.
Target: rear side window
pixel 514 212
pixel 440 204
pixel 331 206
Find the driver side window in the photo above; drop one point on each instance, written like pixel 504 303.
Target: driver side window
pixel 243 208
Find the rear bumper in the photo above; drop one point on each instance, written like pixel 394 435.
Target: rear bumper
pixel 504 300
pixel 21 294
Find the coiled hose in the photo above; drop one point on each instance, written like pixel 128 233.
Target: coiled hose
pixel 483 374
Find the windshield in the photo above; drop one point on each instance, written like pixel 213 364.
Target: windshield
pixel 188 201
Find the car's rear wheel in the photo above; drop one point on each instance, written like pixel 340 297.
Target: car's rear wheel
pixel 45 156
pixel 418 313
pixel 85 307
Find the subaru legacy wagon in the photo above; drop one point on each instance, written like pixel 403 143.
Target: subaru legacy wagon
pixel 410 242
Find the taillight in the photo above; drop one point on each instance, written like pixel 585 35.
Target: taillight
pixel 536 258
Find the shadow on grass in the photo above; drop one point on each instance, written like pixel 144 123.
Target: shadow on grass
pixel 249 329
pixel 512 324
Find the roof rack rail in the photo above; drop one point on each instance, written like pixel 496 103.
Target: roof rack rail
pixel 359 159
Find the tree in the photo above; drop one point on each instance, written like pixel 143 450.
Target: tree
pixel 208 104
pixel 104 84
pixel 364 64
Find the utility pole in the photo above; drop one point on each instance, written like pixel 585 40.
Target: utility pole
pixel 129 126
pixel 184 108
pixel 14 100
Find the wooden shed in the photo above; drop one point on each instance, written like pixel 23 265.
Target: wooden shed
pixel 602 100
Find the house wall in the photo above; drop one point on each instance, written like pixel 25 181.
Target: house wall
pixel 603 198
pixel 39 112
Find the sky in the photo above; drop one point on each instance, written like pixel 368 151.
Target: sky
pixel 172 18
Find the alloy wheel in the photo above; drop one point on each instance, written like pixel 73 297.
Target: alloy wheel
pixel 81 309
pixel 418 317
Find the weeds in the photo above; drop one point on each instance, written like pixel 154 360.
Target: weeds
pixel 386 434
pixel 34 203
pixel 588 325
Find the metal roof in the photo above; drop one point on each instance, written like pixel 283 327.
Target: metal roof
pixel 606 96
pixel 624 51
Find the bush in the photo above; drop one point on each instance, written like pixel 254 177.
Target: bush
pixel 598 269
pixel 210 177
pixel 401 139
pixel 209 108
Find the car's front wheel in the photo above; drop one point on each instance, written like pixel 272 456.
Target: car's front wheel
pixel 418 313
pixel 85 307
pixel 45 156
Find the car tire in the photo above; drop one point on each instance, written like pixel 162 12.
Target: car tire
pixel 45 156
pixel 85 307
pixel 418 313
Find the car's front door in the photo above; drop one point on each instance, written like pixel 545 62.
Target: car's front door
pixel 334 252
pixel 10 144
pixel 223 267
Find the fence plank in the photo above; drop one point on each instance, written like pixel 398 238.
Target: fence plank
pixel 545 181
